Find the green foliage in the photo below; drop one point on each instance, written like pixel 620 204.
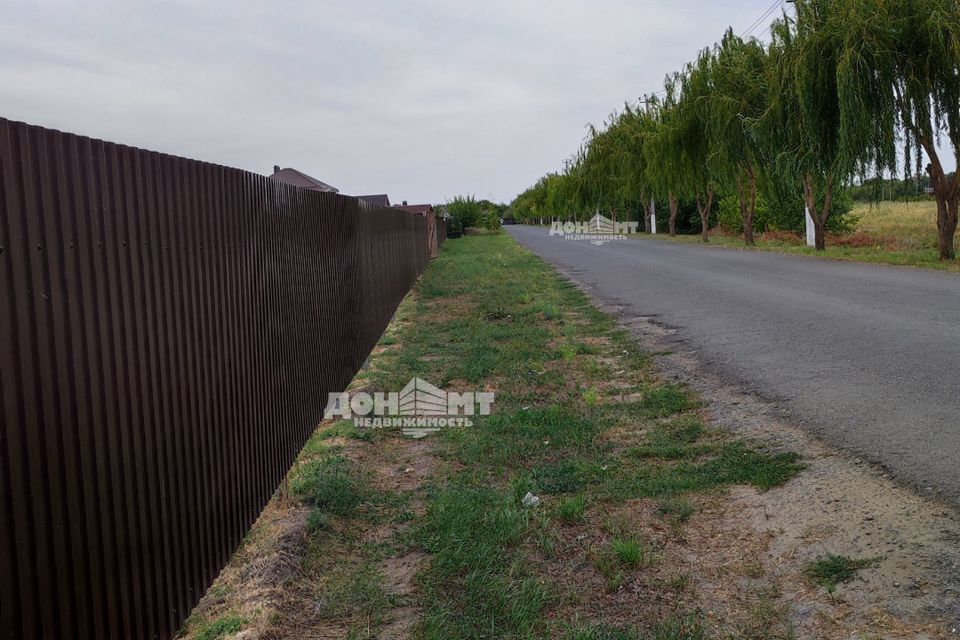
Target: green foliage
pixel 490 219
pixel 884 189
pixel 730 218
pixel 785 205
pixel 466 211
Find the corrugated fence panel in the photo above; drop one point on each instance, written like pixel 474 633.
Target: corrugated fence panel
pixel 169 331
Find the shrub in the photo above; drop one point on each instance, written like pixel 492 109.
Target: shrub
pixel 466 210
pixel 729 218
pixel 785 210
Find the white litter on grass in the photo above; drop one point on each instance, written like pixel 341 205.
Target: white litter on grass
pixel 530 500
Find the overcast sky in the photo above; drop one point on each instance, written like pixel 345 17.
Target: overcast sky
pixel 421 99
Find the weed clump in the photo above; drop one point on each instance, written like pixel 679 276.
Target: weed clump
pixel 832 570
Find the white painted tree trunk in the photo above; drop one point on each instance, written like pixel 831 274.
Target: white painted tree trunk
pixel 811 232
pixel 653 216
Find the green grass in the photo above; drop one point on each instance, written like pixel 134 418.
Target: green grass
pixel 331 485
pixel 572 510
pixel 732 463
pixel 475 586
pixel 832 570
pixel 674 440
pixel 353 591
pixel 630 551
pixel 566 476
pixel 221 627
pixel 677 510
pixel 491 315
pixel 608 566
pixel 665 400
pixel 894 233
pixel 674 628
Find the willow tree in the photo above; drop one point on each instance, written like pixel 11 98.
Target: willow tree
pixel 803 120
pixel 555 188
pixel 613 166
pixel 599 165
pixel 736 100
pixel 692 140
pixel 633 128
pixel 531 204
pixel 663 161
pixel 917 42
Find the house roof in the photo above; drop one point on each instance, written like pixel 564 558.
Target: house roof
pixel 300 179
pixel 415 208
pixel 377 200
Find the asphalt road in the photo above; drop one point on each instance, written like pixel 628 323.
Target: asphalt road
pixel 865 355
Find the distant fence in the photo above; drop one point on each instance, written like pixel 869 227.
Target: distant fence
pixel 169 331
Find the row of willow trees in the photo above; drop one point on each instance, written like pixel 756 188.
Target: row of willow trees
pixel 845 88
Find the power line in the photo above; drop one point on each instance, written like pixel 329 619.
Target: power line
pixel 759 21
pixel 746 32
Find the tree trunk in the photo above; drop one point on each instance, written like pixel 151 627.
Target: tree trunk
pixel 820 217
pixel 704 210
pixel 674 208
pixel 947 192
pixel 819 234
pixel 946 227
pixel 948 197
pixel 749 209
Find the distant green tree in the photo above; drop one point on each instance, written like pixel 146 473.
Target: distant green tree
pixel 466 210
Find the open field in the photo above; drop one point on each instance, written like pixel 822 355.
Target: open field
pixel 896 233
pixel 906 225
pixel 653 522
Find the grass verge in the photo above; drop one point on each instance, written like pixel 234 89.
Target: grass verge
pixel 581 421
pixel 893 233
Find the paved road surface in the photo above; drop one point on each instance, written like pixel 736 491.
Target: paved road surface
pixel 867 356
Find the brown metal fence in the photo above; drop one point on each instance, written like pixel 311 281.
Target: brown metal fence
pixel 169 330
